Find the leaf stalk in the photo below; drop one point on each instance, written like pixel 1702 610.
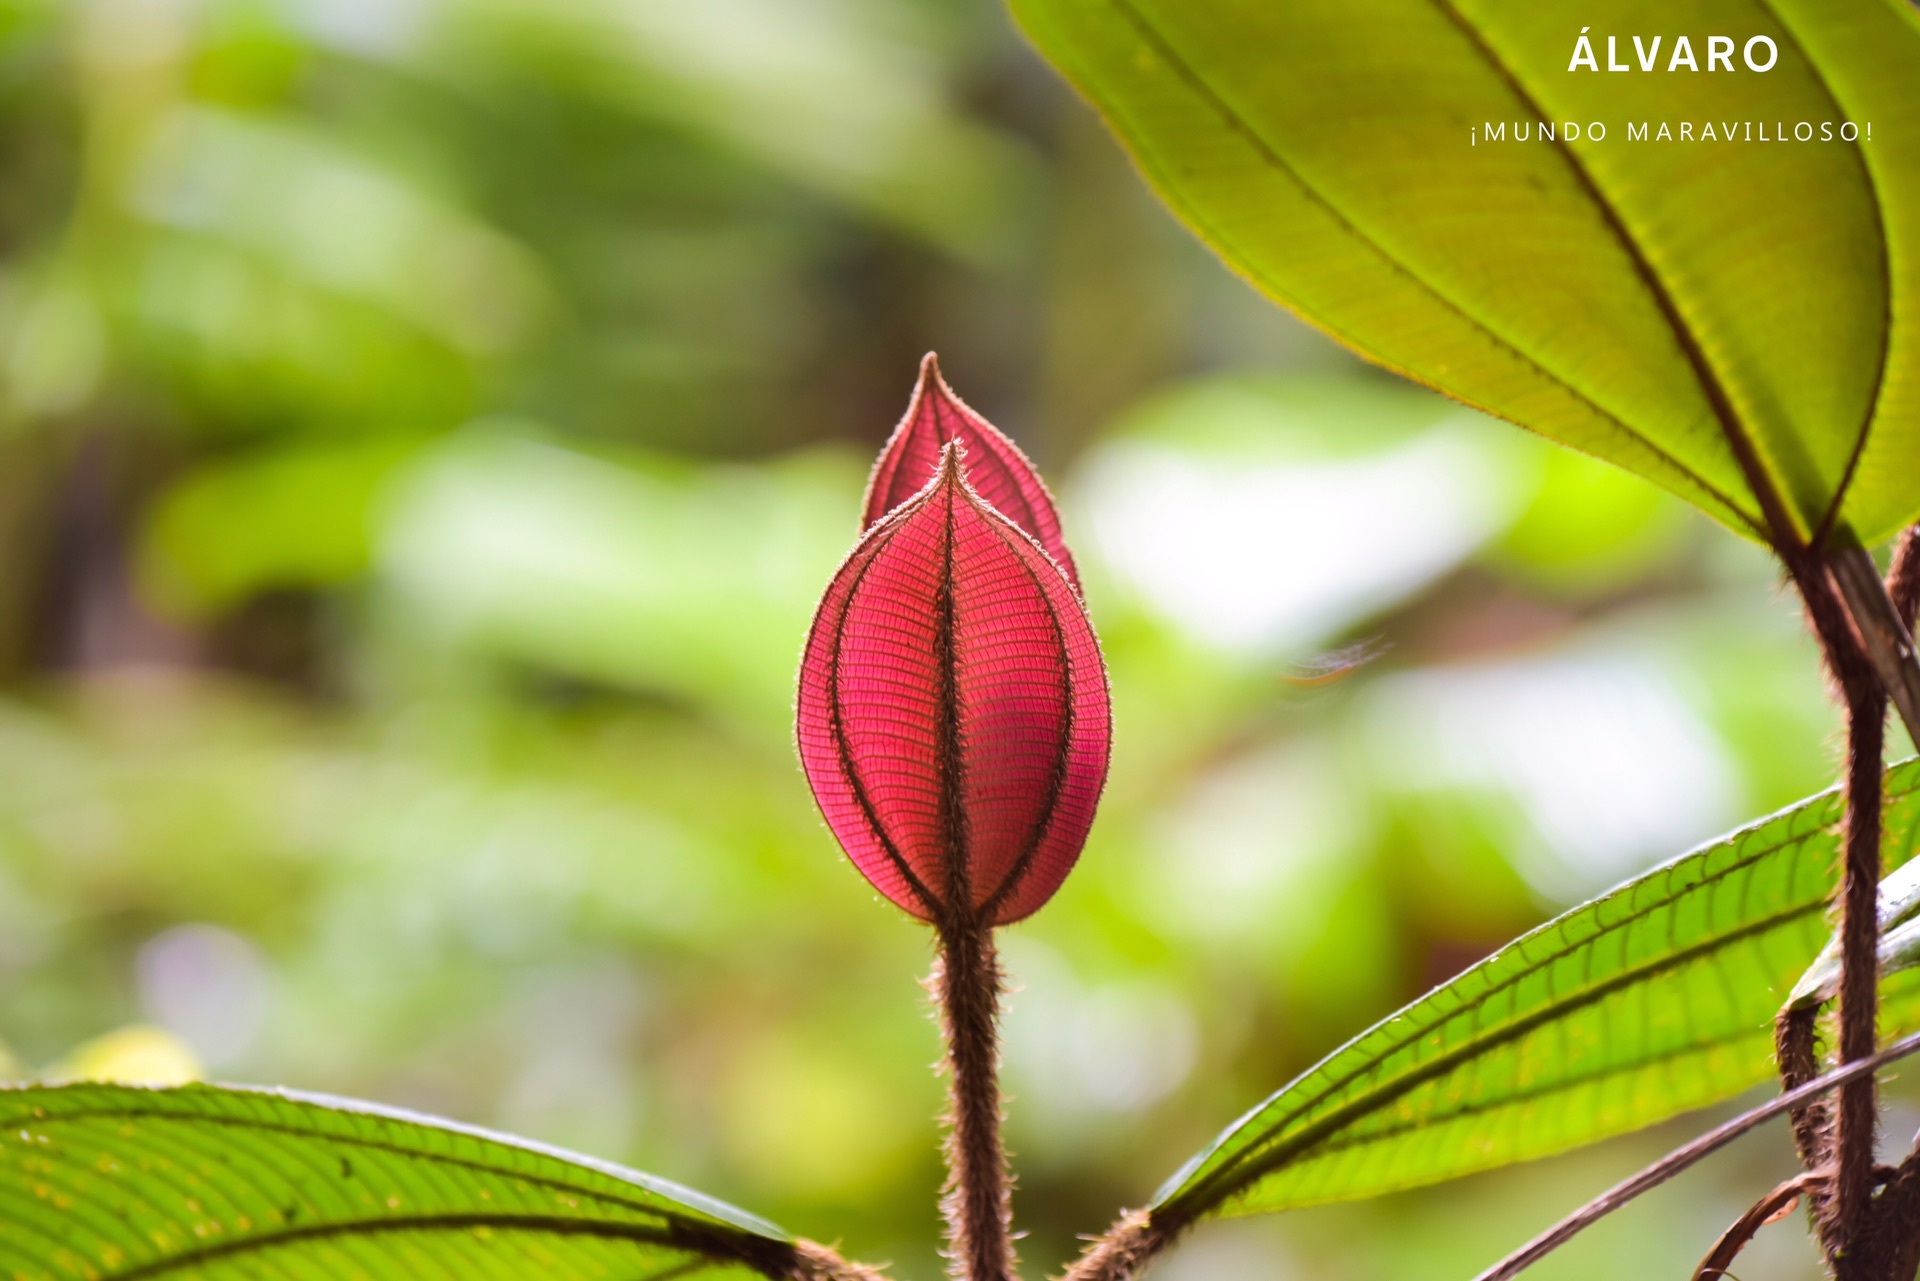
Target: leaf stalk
pixel 1884 634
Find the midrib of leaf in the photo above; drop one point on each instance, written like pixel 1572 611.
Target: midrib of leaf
pixel 1740 441
pixel 186 1123
pixel 1741 438
pixel 1557 1086
pixel 1877 203
pixel 549 1225
pixel 228 1153
pixel 1237 122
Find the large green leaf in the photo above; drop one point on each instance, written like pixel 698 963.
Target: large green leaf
pixel 101 1181
pixel 1735 321
pixel 1653 999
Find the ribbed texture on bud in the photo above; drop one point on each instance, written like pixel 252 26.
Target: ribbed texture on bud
pixel 954 720
pixel 996 468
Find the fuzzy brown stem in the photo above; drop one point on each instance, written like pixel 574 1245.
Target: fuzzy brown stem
pixel 1903 1198
pixel 1855 1119
pixel 1903 578
pixel 977 1204
pixel 1123 1252
pixel 1796 1052
pixel 1895 1242
pixel 1843 1219
pixel 1895 1232
pixel 816 1262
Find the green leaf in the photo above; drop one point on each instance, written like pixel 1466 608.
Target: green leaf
pixel 1653 999
pixel 1730 320
pixel 294 516
pixel 120 1182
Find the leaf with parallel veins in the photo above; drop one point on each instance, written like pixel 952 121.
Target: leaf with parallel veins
pixel 1732 320
pixel 1650 1000
pixel 122 1183
pixel 954 720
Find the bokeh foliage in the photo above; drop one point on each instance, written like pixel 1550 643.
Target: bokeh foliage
pixel 424 429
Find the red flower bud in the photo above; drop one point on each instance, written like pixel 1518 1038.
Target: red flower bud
pixel 954 721
pixel 996 468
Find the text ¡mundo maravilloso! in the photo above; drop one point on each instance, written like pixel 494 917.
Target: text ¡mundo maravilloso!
pixel 1492 131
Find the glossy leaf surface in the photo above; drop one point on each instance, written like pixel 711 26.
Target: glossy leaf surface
pixel 101 1181
pixel 953 710
pixel 1653 999
pixel 996 468
pixel 1733 320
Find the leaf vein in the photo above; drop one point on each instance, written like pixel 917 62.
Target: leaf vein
pixel 1239 124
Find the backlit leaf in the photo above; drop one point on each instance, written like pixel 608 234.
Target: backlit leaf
pixel 1729 319
pixel 114 1181
pixel 1653 999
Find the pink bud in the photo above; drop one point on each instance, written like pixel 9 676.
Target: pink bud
pixel 996 468
pixel 954 721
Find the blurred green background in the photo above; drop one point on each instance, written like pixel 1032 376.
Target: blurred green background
pixel 425 426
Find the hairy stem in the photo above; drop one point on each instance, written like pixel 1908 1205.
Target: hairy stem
pixel 1842 1218
pixel 1796 1052
pixel 1903 578
pixel 816 1262
pixel 1894 1245
pixel 978 1211
pixel 1855 1120
pixel 1895 1233
pixel 1122 1252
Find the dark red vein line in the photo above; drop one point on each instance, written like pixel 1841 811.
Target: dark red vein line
pixel 760 1260
pixel 1876 203
pixel 950 762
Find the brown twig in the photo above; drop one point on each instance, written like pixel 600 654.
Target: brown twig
pixel 979 1217
pixel 1683 1157
pixel 1772 1206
